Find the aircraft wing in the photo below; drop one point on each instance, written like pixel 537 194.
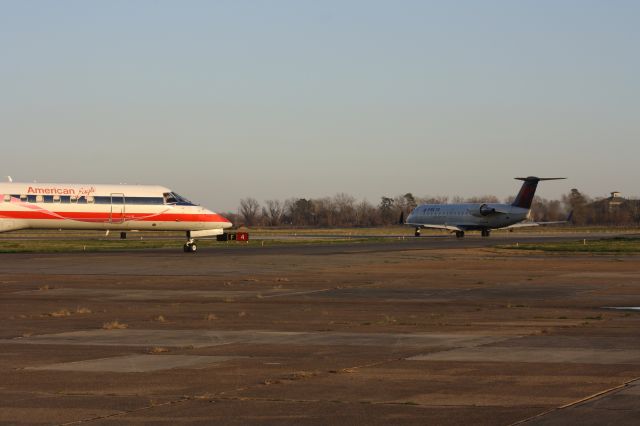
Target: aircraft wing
pixel 521 225
pixel 558 222
pixel 530 224
pixel 445 227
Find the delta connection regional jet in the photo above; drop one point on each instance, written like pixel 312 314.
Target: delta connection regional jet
pixel 105 207
pixel 479 217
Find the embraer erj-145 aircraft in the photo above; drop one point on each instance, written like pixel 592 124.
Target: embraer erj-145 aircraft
pixel 105 207
pixel 479 217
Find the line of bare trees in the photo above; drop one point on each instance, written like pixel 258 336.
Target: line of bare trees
pixel 343 210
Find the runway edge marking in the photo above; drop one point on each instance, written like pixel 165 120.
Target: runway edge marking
pixel 578 402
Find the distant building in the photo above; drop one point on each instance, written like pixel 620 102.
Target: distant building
pixel 615 210
pixel 614 201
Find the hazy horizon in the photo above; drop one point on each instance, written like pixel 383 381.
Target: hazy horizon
pixel 272 100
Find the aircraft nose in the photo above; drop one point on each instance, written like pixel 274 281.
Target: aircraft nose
pixel 226 223
pixel 219 219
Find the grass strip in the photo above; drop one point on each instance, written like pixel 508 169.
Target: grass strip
pixel 604 246
pixel 104 245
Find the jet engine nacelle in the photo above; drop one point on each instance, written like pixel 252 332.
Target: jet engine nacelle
pixel 483 210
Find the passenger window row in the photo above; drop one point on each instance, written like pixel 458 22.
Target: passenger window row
pixel 72 199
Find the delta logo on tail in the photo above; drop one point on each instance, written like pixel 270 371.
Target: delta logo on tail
pixel 482 217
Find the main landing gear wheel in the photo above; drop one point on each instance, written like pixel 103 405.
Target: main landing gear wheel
pixel 417 233
pixel 190 247
pixel 459 234
pixel 485 232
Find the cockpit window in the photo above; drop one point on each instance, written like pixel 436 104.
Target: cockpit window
pixel 181 199
pixel 169 198
pixel 173 198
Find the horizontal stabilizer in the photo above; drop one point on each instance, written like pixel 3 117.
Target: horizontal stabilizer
pixel 537 179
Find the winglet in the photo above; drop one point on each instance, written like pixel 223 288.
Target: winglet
pixel 9 179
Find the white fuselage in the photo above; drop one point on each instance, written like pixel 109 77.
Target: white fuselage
pixel 472 216
pixel 102 207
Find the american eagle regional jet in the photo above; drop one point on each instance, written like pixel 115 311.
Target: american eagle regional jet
pixel 481 217
pixel 105 207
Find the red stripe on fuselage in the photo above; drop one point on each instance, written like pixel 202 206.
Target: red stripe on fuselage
pixel 100 217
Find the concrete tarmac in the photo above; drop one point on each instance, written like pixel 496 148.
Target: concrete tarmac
pixel 429 330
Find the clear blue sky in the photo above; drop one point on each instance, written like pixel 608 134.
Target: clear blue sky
pixel 221 100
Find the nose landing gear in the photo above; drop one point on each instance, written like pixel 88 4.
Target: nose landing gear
pixel 485 232
pixel 417 233
pixel 190 246
pixel 459 234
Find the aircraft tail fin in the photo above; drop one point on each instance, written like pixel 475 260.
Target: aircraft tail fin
pixel 528 190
